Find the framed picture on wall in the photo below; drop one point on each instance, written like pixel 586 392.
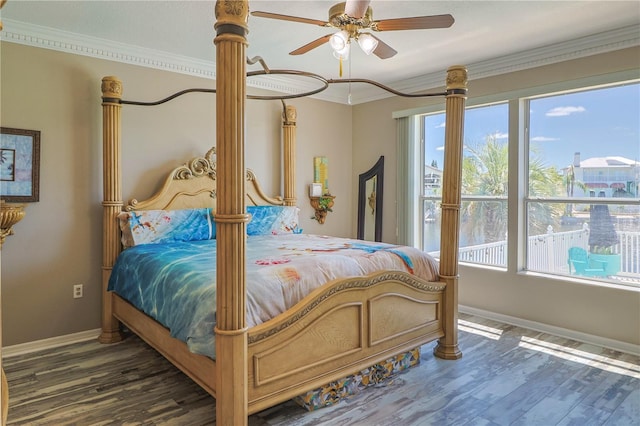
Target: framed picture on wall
pixel 19 165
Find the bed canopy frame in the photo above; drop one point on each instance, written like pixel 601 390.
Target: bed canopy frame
pixel 242 355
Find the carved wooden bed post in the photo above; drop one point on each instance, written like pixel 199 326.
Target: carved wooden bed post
pixel 231 219
pixel 112 201
pixel 289 129
pixel 447 346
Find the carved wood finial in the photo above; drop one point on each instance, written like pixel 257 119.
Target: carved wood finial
pixel 231 13
pixel 111 87
pixel 290 115
pixel 457 78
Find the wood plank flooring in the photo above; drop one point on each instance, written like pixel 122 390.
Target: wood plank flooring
pixel 507 376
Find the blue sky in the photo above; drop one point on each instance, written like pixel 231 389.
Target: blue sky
pixel 596 123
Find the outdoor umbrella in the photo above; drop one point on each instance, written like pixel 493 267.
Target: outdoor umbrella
pixel 602 232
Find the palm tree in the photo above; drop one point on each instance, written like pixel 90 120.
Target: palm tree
pixel 485 172
pixel 570 183
pixel 544 181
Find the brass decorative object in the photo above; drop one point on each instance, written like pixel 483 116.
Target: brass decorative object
pixel 10 214
pixel 322 205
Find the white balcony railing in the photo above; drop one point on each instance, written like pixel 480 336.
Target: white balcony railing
pixel 549 252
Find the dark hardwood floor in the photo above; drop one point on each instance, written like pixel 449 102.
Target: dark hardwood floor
pixel 507 376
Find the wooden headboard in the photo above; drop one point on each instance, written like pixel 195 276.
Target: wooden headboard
pixel 193 185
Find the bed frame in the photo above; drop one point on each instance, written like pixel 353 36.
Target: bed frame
pixel 339 329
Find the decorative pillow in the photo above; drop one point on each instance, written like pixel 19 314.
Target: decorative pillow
pixel 272 220
pixel 163 226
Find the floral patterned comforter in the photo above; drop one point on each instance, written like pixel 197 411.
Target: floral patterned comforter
pixel 175 283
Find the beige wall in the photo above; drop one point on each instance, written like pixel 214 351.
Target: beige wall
pixel 606 312
pixel 58 244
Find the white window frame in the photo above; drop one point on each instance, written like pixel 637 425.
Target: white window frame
pixel 518 164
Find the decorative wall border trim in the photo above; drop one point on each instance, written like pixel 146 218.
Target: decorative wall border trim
pixel 578 336
pixel 68 42
pixel 48 38
pixel 609 41
pixel 64 41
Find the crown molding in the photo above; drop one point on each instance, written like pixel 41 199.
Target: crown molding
pixel 609 41
pixel 49 38
pixel 68 42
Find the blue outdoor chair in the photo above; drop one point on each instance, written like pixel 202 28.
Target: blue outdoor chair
pixel 583 265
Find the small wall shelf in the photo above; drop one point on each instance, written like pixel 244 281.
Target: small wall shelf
pixel 322 205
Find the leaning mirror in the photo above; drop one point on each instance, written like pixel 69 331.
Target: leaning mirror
pixel 370 202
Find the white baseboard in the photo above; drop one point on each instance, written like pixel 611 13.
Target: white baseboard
pixel 616 345
pixel 53 342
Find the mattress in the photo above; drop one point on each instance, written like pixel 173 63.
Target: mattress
pixel 174 283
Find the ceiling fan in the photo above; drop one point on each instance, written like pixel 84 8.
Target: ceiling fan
pixel 352 18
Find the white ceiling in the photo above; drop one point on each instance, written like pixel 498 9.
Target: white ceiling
pixel 487 36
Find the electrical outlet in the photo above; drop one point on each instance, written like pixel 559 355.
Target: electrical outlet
pixel 77 291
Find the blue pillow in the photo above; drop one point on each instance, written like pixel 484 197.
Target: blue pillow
pixel 164 226
pixel 272 220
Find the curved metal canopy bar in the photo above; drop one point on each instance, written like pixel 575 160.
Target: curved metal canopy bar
pixel 266 71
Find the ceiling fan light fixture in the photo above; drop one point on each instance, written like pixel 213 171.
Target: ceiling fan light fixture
pixel 343 53
pixel 352 16
pixel 339 41
pixel 367 42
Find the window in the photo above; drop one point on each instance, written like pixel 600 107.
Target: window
pixel 484 184
pixel 578 189
pixel 584 170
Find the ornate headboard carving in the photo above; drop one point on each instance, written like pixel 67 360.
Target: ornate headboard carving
pixel 193 185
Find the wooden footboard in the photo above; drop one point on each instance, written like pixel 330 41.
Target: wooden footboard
pixel 337 330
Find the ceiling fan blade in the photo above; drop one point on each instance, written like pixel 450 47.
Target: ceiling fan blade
pixel 415 23
pixel 312 45
pixel 290 18
pixel 383 50
pixel 356 8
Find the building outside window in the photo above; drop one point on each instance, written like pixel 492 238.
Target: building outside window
pixel 594 230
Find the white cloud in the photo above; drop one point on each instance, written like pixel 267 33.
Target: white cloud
pixel 499 135
pixel 543 139
pixel 562 111
pixel 440 126
pixel 440 148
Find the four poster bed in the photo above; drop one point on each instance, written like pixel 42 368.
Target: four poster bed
pixel 335 329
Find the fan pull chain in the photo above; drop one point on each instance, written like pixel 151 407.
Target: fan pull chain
pixel 340 65
pixel 349 97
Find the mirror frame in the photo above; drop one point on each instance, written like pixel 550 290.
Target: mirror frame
pixel 376 171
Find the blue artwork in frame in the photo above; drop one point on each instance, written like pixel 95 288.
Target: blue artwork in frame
pixel 19 165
